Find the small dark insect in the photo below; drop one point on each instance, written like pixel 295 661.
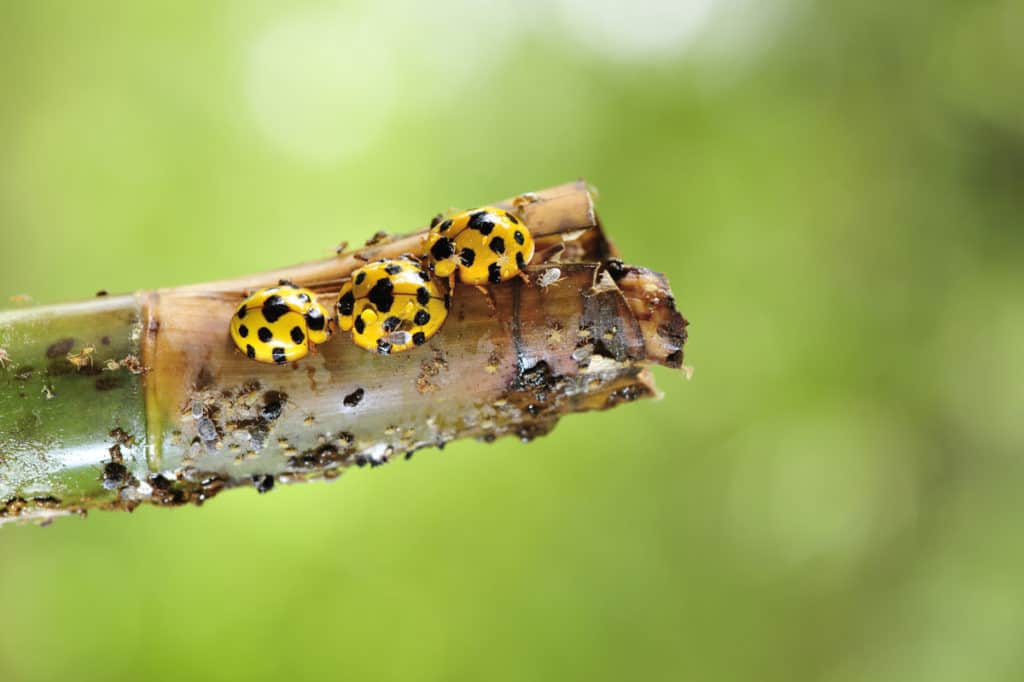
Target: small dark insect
pixel 354 398
pixel 121 436
pixel 272 410
pixel 616 268
pixel 264 483
pixel 115 475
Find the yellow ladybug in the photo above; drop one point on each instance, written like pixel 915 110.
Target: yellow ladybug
pixel 486 246
pixel 280 324
pixel 392 305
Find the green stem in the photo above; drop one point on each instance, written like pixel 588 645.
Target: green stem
pixel 56 418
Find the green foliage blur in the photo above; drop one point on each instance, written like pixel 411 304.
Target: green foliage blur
pixel 835 191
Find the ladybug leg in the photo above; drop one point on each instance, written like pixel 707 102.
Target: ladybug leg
pixel 489 295
pixel 523 276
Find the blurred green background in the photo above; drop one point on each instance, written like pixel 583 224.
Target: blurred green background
pixel 835 191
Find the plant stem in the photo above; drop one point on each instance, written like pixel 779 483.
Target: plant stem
pixel 202 418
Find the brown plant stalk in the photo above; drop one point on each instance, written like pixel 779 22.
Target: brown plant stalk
pixel 164 410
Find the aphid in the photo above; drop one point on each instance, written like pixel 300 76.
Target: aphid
pixel 280 324
pixel 271 410
pixel 82 358
pixel 485 246
pixel 548 278
pixel 207 429
pixel 115 474
pixel 264 483
pixel 379 237
pixel 133 364
pixel 354 398
pixel 5 359
pixel 392 305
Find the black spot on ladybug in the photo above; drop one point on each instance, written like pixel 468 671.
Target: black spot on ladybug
pixel 250 351
pixel 393 269
pixel 360 325
pixel 315 320
pixel 442 248
pixel 382 295
pixel 361 277
pixel 468 257
pixel 515 220
pixel 422 318
pixel 303 297
pixel 383 347
pixel 265 334
pixel 297 336
pixel 354 398
pixel 278 355
pixel 519 237
pixel 445 225
pixel 346 303
pixel 241 313
pixel 273 308
pixel 243 331
pixel 520 261
pixel 481 221
pixel 424 275
pixel 419 338
pixel 391 324
pixel 494 273
pixel 497 245
pixel 423 296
